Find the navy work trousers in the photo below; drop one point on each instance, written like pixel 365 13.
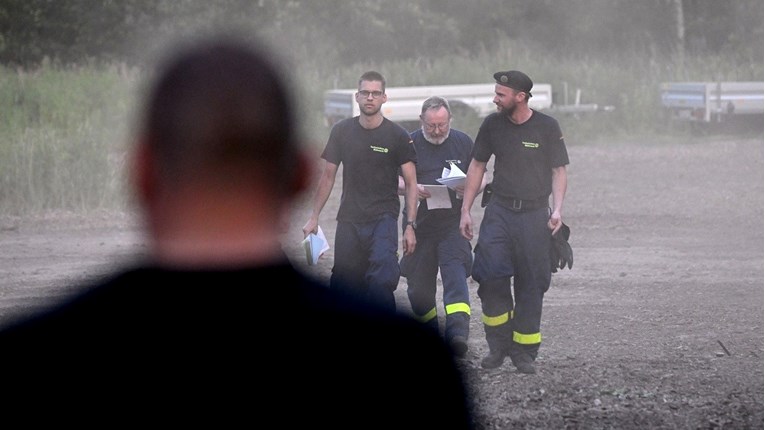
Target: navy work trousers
pixel 513 245
pixel 450 253
pixel 366 259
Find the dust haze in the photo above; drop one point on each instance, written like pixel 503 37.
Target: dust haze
pixel 666 215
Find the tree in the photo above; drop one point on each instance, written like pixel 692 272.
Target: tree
pixel 343 32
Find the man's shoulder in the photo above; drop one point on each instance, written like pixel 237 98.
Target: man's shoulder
pixel 458 132
pixel 344 124
pixel 543 118
pixel 460 136
pixel 492 120
pixel 202 296
pixel 494 116
pixel 136 298
pixel 394 126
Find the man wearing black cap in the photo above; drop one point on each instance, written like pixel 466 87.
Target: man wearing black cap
pixel 516 232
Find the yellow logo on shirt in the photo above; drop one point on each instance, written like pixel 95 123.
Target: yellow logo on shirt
pixel 379 149
pixel 530 145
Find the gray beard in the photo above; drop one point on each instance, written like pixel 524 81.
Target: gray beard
pixel 438 141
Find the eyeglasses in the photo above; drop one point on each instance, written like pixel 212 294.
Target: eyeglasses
pixel 432 127
pixel 375 94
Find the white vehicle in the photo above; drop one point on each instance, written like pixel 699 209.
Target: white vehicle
pixel 711 101
pixel 405 103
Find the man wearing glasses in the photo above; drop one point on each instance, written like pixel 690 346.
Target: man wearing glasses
pixel 373 150
pixel 440 246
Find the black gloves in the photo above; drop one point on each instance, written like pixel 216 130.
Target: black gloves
pixel 561 254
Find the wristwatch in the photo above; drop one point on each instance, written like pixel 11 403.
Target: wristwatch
pixel 412 223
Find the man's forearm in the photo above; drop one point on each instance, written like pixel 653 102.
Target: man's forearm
pixel 473 180
pixel 559 185
pixel 321 197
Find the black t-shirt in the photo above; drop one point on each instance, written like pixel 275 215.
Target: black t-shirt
pixel 246 347
pixel 371 161
pixel 524 154
pixel 431 161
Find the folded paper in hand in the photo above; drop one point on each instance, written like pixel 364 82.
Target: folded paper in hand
pixel 439 197
pixel 315 245
pixel 452 177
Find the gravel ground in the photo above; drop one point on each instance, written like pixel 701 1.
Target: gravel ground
pixel 659 324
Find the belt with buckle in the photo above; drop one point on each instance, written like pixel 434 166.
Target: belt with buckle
pixel 522 205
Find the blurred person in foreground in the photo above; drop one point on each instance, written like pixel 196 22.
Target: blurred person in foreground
pixel 512 254
pixel 440 246
pixel 216 325
pixel 373 150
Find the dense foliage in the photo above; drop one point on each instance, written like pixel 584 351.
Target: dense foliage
pixel 343 32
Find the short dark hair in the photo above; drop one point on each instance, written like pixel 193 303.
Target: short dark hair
pixel 372 76
pixel 221 106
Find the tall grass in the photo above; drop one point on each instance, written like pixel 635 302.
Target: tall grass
pixel 63 130
pixel 62 136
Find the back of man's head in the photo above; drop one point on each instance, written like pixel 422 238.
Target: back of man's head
pixel 219 111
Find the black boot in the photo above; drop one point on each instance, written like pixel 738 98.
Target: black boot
pixel 525 366
pixel 459 346
pixel 523 359
pixel 494 359
pixel 456 330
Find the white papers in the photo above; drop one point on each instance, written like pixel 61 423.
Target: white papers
pixel 315 245
pixel 439 197
pixel 452 177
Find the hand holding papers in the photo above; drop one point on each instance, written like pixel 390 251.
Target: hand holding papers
pixel 439 197
pixel 315 245
pixel 452 177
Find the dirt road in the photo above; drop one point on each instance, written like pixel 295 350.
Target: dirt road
pixel 659 324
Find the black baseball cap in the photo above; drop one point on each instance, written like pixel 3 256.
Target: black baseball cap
pixel 516 80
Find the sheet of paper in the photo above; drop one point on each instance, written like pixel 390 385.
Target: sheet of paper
pixel 455 170
pixel 452 177
pixel 315 246
pixel 451 182
pixel 439 197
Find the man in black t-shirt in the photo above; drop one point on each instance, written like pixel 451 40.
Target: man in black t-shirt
pixel 372 150
pixel 516 231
